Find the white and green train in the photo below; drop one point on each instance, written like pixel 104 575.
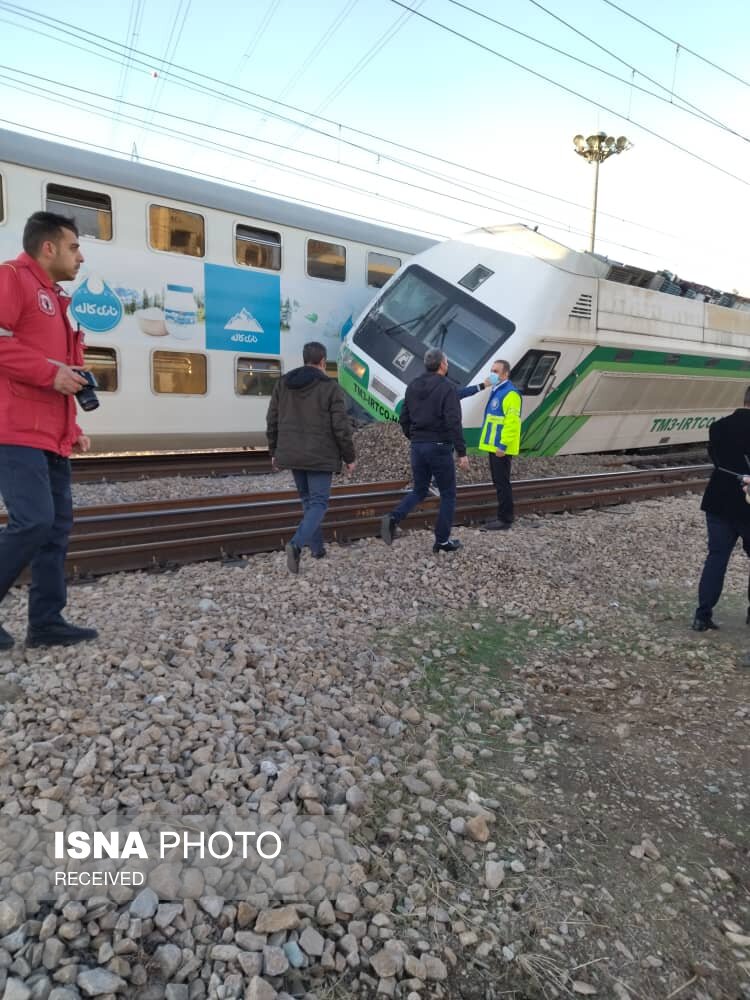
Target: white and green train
pixel 607 356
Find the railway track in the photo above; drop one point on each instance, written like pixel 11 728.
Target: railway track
pixel 156 535
pixel 117 468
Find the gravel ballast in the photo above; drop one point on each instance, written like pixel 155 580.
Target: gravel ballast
pixel 509 771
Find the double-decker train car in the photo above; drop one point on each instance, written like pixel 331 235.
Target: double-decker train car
pixel 607 356
pixel 194 296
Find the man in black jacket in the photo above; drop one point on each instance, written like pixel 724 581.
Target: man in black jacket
pixel 727 512
pixel 309 432
pixel 431 419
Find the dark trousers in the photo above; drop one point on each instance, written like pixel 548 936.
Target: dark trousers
pixel 35 486
pixel 500 472
pixel 314 490
pixel 722 538
pixel 432 459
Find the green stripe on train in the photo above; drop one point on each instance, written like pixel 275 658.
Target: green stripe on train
pixel 543 433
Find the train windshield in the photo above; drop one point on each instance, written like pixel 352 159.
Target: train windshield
pixel 421 311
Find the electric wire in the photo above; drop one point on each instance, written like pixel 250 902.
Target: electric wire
pixel 530 213
pixel 684 48
pixel 203 89
pixel 575 93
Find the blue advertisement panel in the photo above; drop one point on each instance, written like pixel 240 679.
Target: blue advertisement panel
pixel 242 310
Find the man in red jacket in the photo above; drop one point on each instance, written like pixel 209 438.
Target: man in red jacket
pixel 39 354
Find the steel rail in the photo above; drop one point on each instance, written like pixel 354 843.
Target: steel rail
pixel 118 468
pixel 154 535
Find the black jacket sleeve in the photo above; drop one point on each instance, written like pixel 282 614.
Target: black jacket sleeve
pixel 272 420
pixel 452 420
pixel 405 419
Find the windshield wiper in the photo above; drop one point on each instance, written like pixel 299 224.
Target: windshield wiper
pixel 410 322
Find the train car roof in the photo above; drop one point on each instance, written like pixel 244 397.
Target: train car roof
pixel 70 161
pixel 520 239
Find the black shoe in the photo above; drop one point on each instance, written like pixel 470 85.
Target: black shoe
pixel 319 555
pixel 388 529
pixel 496 526
pixel 6 639
pixel 293 553
pixel 450 546
pixel 703 624
pixel 59 634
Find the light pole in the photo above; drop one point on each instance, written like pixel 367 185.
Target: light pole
pixel 596 149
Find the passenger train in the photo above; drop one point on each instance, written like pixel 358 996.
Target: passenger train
pixel 194 296
pixel 608 357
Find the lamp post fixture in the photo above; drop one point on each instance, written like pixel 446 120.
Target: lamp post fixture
pixel 596 149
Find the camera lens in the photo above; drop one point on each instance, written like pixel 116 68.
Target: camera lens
pixel 87 398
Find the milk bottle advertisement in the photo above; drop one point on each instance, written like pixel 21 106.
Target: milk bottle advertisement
pixel 211 307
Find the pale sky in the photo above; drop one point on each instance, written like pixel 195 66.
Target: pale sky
pixel 491 128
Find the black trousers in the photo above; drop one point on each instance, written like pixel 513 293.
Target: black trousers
pixel 722 538
pixel 500 472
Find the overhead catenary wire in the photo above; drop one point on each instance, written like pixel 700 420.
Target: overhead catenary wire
pixel 575 93
pixel 201 88
pixel 554 224
pixel 700 113
pixel 501 205
pixel 681 45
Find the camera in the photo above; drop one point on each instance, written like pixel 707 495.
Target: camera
pixel 87 398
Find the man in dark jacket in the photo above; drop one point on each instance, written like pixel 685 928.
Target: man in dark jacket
pixel 431 419
pixel 309 432
pixel 727 513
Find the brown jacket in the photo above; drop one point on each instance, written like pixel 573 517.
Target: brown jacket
pixel 306 425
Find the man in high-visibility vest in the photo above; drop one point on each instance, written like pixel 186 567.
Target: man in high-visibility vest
pixel 501 439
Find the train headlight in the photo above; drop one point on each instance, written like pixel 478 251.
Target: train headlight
pixel 355 366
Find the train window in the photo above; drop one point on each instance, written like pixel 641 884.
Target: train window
pixel 624 355
pixel 532 372
pixel 257 248
pixel 102 361
pixel 711 362
pixel 332 369
pixel 380 267
pixel 179 372
pixel 256 376
pixel 671 359
pixel 475 277
pixel 176 231
pixel 326 260
pixel 91 210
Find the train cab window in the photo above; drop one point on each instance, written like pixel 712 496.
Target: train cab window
pixel 532 372
pixel 256 376
pixel 326 260
pixel 380 267
pixel 179 372
pixel 91 210
pixel 257 248
pixel 102 361
pixel 475 277
pixel 176 231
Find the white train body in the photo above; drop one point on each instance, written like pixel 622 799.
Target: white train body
pixel 604 361
pixel 194 296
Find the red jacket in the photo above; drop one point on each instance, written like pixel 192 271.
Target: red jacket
pixel 34 332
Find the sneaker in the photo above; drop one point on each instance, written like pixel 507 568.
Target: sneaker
pixel 496 526
pixel 319 555
pixel 450 546
pixel 293 553
pixel 388 529
pixel 60 633
pixel 703 624
pixel 433 490
pixel 6 639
